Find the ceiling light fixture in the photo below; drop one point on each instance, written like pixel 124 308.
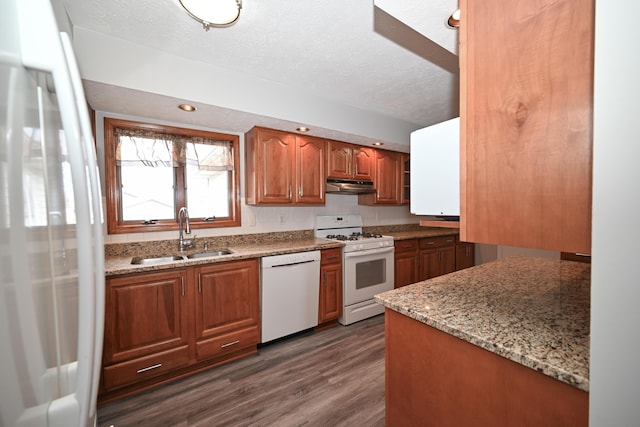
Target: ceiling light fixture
pixel 454 19
pixel 213 13
pixel 303 129
pixel 378 144
pixel 187 107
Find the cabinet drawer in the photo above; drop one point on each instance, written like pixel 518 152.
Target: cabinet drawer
pixel 409 245
pixel 330 256
pixel 136 370
pixel 227 343
pixel 436 242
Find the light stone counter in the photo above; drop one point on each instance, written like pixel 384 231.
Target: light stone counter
pixel 533 311
pixel 120 263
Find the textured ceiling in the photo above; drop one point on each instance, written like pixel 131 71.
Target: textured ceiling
pixel 348 51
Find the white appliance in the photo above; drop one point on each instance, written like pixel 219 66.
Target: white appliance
pixel 51 247
pixel 367 264
pixel 289 293
pixel 435 170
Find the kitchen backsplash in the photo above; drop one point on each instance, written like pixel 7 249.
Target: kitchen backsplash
pixel 279 219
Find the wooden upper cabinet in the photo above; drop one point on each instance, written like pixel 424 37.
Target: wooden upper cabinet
pixel 309 165
pixel 283 168
pixel 269 166
pixel 349 161
pixel 388 176
pixel 363 160
pixel 526 123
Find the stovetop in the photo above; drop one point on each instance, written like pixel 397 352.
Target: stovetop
pixel 348 229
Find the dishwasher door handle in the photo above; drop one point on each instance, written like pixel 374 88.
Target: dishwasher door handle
pixel 293 263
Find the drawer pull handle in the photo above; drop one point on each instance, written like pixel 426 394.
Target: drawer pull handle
pixel 229 344
pixel 333 256
pixel 148 368
pixel 431 243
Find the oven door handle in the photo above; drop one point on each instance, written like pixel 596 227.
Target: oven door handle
pixel 375 251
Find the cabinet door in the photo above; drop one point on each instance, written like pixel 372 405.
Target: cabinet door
pixel 330 285
pixel 526 137
pixel 270 166
pixel 339 160
pixel 407 262
pixel 363 163
pixel 310 181
pixel 436 262
pixel 144 314
pixel 226 305
pixel 465 255
pixel 388 171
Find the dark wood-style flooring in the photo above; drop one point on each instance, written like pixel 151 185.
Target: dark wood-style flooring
pixel 333 377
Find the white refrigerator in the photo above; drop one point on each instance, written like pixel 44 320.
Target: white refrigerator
pixel 51 245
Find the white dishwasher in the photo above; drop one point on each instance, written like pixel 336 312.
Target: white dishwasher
pixel 290 293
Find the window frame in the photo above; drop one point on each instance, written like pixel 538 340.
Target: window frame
pixel 115 224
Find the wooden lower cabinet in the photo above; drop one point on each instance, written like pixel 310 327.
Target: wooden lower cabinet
pixel 161 326
pixel 424 258
pixel 437 256
pixel 227 308
pixel 465 255
pixel 406 262
pixel 330 308
pixel 433 378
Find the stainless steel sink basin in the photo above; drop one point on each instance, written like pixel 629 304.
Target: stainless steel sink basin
pixel 156 259
pixel 210 254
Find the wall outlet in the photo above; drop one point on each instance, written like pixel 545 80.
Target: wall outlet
pixel 281 218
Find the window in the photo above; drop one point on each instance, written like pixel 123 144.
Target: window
pixel 152 171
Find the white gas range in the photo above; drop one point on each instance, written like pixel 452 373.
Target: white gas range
pixel 367 267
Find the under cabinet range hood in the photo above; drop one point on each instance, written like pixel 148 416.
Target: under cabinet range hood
pixel 349 186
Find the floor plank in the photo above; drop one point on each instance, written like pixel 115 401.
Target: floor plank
pixel 333 377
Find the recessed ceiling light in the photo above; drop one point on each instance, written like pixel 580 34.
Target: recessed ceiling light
pixel 454 19
pixel 303 129
pixel 378 144
pixel 187 107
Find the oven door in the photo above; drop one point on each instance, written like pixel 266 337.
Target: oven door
pixel 367 273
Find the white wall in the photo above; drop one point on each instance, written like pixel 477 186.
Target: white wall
pixel 261 219
pixel 615 288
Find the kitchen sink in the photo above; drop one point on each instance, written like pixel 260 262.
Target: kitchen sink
pixel 156 259
pixel 209 254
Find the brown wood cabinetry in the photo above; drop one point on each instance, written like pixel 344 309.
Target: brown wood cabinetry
pixel 428 257
pixel 433 378
pixel 226 308
pixel 437 256
pixel 526 137
pixel 406 179
pixel 349 161
pixel 330 308
pixel 388 179
pixel 465 254
pixel 146 327
pixel 160 326
pixel 406 262
pixel 284 168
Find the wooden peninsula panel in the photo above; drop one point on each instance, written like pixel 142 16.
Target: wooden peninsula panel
pixel 433 378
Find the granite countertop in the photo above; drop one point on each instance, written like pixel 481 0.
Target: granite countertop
pixel 118 256
pixel 424 232
pixel 118 264
pixel 534 311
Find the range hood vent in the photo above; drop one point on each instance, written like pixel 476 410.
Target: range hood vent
pixel 348 186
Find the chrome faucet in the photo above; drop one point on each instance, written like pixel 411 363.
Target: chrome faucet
pixel 183 216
